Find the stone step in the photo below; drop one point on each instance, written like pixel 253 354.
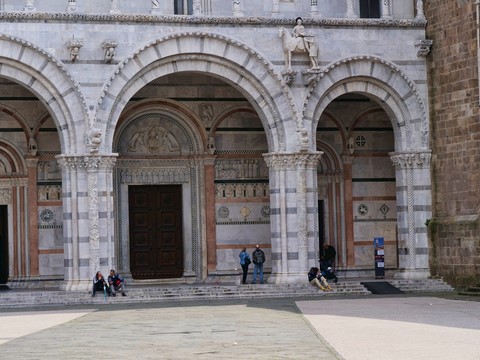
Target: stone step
pixel 19 298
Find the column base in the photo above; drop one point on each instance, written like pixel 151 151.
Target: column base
pixel 412 274
pixel 287 278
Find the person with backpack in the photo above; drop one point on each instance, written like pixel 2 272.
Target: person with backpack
pixel 116 283
pixel 258 257
pixel 315 277
pixel 244 262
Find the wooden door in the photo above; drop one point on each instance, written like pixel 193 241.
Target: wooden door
pixel 156 243
pixel 3 244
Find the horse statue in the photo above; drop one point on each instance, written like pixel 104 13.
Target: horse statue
pixel 297 45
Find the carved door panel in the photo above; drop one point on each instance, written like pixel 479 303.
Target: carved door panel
pixel 3 244
pixel 156 244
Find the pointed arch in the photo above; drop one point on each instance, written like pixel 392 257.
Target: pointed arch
pixel 212 54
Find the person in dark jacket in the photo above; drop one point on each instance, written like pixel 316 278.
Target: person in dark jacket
pixel 328 254
pixel 244 261
pixel 315 277
pixel 116 283
pixel 99 284
pixel 258 258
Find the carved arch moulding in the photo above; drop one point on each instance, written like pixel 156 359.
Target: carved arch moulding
pixel 379 78
pixel 59 81
pixel 271 95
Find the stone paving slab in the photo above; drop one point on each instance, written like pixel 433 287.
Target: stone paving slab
pixel 398 328
pixel 238 329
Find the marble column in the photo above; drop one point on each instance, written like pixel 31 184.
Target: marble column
pixel 197 8
pixel 413 210
pixel 29 6
pixel 348 206
pixel 420 14
pixel 210 214
pixel 386 11
pixel 32 212
pixel 314 8
pixel 88 217
pixel 293 214
pixel 71 6
pixel 276 7
pixel 237 8
pixel 155 9
pixel 114 9
pixel 350 10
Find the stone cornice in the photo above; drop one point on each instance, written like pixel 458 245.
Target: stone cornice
pixel 253 20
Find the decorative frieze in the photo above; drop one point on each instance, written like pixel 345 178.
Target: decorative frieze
pixel 241 169
pixel 229 20
pixel 49 192
pixel 241 190
pixel 160 175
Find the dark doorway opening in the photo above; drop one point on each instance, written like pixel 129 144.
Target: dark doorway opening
pixel 3 244
pixel 369 8
pixel 156 242
pixel 321 225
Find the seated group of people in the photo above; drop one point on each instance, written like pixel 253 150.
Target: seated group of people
pixel 111 286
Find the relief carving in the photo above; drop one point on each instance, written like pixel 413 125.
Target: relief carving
pixel 154 140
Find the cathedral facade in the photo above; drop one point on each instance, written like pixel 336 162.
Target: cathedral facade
pixel 160 138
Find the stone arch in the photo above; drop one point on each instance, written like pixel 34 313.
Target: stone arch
pixel 217 56
pixel 382 81
pixel 44 75
pixel 18 118
pixel 192 127
pixel 11 160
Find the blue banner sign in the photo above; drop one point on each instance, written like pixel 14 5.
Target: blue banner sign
pixel 379 251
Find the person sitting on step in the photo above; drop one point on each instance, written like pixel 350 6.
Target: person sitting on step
pixel 100 284
pixel 116 283
pixel 315 277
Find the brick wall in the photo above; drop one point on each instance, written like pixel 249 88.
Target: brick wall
pixel 455 140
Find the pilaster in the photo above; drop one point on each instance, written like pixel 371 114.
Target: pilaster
pixel 32 214
pixel 88 217
pixel 293 214
pixel 413 210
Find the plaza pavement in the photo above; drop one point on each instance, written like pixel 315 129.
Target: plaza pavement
pixel 368 327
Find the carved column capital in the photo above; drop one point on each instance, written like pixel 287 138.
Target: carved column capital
pixel 414 159
pixel 423 47
pixel 291 161
pixel 99 162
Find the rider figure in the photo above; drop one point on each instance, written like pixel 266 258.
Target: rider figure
pixel 307 40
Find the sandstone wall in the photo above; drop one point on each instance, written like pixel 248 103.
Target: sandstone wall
pixel 454 105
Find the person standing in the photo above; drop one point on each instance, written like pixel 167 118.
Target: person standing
pixel 244 261
pixel 116 283
pixel 258 257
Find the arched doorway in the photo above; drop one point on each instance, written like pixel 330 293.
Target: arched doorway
pixel 357 182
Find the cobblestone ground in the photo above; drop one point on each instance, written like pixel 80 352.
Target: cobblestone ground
pixel 248 329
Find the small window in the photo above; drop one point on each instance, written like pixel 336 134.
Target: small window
pixel 183 7
pixel 369 8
